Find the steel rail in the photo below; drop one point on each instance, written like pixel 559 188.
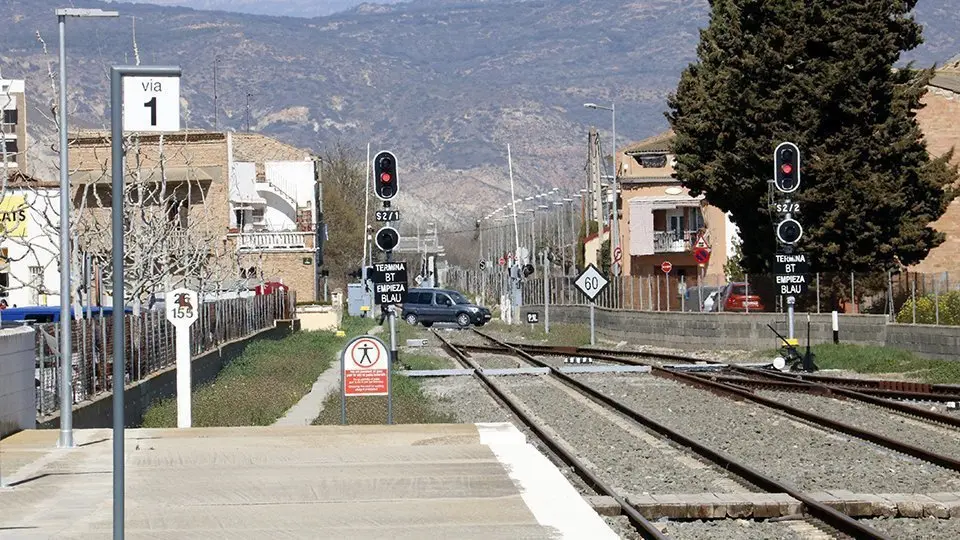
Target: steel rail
pixel 643 525
pixel 838 520
pixel 933 416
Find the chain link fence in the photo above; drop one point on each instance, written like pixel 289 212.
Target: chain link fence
pixel 149 344
pixel 905 297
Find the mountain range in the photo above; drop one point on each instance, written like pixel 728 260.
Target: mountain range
pixel 445 84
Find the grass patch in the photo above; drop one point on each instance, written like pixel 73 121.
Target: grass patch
pixel 560 334
pixel 869 359
pixel 263 383
pixel 422 361
pixel 410 406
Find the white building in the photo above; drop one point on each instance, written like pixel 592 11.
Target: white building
pixel 29 242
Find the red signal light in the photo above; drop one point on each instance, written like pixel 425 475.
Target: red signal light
pixel 786 168
pixel 385 177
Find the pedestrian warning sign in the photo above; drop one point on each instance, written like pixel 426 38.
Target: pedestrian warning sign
pixel 365 367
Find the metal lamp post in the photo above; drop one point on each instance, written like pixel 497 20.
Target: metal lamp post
pixel 615 225
pixel 66 352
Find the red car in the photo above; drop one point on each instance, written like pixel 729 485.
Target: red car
pixel 735 298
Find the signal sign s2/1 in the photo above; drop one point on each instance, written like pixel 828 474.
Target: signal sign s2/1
pixel 386 215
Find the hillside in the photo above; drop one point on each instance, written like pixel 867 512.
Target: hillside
pixel 446 84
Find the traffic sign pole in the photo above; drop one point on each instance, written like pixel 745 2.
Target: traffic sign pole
pixel 593 335
pixel 182 307
pixel 119 121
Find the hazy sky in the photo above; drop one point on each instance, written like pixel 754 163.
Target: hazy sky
pixel 293 8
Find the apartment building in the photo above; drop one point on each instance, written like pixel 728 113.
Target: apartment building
pixel 13 125
pixel 240 207
pixel 659 219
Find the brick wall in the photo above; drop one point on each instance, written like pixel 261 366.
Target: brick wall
pixel 285 267
pixel 17 390
pixel 940 122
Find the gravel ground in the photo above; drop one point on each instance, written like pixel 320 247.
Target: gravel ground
pixel 795 452
pixel 939 439
pixel 497 361
pixel 466 398
pixel 935 406
pixel 632 462
pixel 918 529
pixel 622 526
pixel 733 529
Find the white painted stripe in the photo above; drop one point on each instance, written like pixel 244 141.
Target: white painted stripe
pixel 499 433
pixel 554 502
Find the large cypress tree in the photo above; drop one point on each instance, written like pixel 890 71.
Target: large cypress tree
pixel 818 73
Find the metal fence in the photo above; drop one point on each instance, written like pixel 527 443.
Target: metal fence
pixel 905 297
pixel 148 342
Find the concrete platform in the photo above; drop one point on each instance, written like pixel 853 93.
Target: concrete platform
pixel 409 481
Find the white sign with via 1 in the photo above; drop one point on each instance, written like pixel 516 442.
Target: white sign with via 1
pixel 151 104
pixel 183 309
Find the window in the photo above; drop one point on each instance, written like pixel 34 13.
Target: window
pixel 257 215
pixel 241 218
pixel 10 148
pixel 36 284
pixel 177 213
pixel 10 116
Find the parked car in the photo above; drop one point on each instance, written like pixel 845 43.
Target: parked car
pixel 734 298
pixel 428 306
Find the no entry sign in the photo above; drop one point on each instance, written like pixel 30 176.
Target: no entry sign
pixel 666 266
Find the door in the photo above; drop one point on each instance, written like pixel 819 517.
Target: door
pixel 445 307
pixel 676 227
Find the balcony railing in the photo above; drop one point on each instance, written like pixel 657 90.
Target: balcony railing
pixel 287 240
pixel 673 241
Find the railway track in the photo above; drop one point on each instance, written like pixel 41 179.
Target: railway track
pixel 881 393
pixel 839 521
pixel 643 526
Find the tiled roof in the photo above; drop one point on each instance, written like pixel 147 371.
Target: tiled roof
pixel 260 148
pixel 657 143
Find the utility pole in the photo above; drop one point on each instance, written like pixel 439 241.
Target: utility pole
pixel 593 166
pixel 319 227
pixel 216 109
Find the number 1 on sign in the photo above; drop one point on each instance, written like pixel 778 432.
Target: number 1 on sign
pixel 152 104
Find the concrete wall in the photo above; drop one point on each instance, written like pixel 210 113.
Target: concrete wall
pixel 748 331
pixel 138 397
pixel 942 342
pixel 18 407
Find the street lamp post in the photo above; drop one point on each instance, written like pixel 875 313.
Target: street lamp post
pixel 66 352
pixel 248 111
pixel 615 225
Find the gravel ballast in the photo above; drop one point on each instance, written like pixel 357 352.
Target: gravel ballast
pixel 808 457
pixel 917 529
pixel 466 398
pixel 632 462
pixel 732 529
pixel 939 439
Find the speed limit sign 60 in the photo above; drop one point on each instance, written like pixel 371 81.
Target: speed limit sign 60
pixel 591 282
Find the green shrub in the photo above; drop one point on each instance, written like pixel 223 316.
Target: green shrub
pixel 927 310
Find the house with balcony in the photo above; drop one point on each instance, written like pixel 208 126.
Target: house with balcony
pixel 242 204
pixel 660 221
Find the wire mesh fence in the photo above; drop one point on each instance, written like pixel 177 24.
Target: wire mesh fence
pixel 904 297
pixel 148 344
